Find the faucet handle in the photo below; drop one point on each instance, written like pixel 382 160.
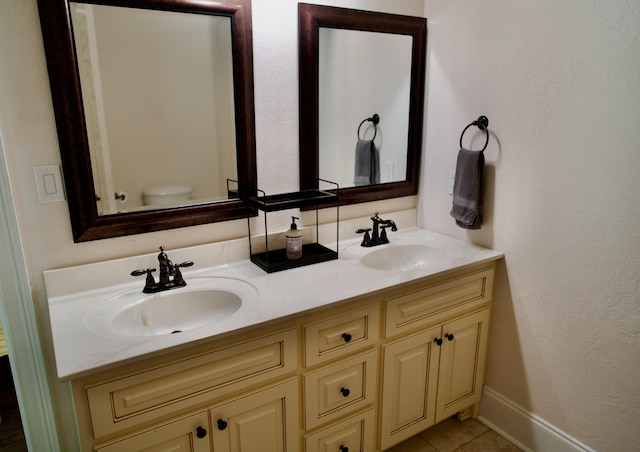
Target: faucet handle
pixel 366 240
pixel 177 277
pixel 150 282
pixel 383 233
pixel 142 271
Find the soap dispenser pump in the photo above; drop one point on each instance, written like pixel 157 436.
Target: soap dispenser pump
pixel 294 241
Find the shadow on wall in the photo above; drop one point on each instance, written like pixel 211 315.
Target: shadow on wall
pixel 505 341
pixel 514 402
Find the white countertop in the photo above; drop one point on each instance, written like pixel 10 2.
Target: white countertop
pixel 76 291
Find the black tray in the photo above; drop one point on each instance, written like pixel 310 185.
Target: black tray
pixel 283 201
pixel 312 253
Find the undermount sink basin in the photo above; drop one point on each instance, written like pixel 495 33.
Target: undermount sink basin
pixel 402 257
pixel 203 302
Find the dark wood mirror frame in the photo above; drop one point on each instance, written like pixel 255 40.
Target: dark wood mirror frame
pixel 72 133
pixel 311 18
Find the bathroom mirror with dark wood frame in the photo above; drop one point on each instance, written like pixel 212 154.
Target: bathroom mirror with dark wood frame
pixel 87 223
pixel 312 20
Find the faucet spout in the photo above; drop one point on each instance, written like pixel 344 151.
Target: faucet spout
pixel 391 223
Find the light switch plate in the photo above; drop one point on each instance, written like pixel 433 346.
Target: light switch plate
pixel 49 183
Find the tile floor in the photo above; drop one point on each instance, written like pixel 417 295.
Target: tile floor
pixel 452 435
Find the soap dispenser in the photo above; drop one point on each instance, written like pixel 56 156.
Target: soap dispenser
pixel 294 241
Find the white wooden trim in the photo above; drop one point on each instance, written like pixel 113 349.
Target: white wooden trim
pixel 524 429
pixel 20 329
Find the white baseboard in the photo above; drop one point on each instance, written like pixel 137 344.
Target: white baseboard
pixel 524 429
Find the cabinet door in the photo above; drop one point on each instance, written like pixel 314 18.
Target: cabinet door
pixel 462 360
pixel 189 434
pixel 264 421
pixel 409 387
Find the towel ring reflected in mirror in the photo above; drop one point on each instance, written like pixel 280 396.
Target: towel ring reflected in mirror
pixel 375 119
pixel 483 124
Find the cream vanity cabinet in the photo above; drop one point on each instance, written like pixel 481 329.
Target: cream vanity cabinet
pixel 436 369
pixel 359 375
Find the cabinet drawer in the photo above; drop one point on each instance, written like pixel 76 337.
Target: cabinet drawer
pixel 356 433
pixel 143 397
pixel 345 386
pixel 339 335
pixel 435 303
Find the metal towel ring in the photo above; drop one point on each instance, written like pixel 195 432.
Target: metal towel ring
pixel 375 119
pixel 482 123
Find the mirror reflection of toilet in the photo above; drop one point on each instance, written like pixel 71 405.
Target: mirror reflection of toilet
pixel 167 194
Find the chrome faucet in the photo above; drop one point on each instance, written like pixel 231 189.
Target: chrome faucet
pixel 379 232
pixel 167 270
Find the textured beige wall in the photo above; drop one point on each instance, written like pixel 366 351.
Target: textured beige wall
pixel 560 84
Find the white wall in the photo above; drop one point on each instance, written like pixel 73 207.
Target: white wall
pixel 28 130
pixel 560 84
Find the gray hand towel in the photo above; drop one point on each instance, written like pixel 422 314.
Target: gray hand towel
pixel 367 167
pixel 467 189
